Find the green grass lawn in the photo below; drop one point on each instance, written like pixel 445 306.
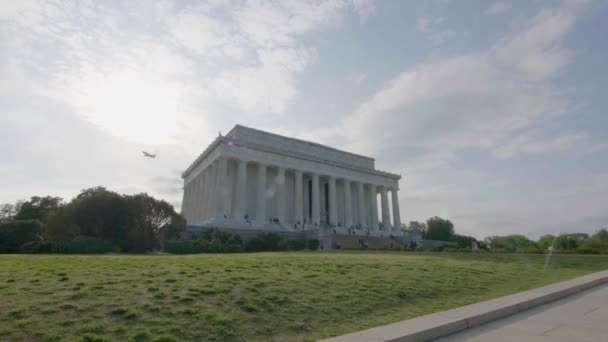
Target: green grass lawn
pixel 243 297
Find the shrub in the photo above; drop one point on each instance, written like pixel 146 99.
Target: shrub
pixel 588 250
pixel 500 250
pixel 530 250
pixel 36 247
pixel 213 241
pixel 296 245
pixel 187 247
pixel 313 245
pixel 232 248
pixel 265 242
pixel 84 245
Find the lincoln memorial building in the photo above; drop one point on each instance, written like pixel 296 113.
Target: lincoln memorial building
pixel 254 180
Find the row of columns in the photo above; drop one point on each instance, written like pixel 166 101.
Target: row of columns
pixel 214 197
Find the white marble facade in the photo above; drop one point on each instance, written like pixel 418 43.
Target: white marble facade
pixel 256 179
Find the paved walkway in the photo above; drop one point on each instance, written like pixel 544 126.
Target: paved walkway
pixel 581 317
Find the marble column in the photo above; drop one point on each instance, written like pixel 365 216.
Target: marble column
pixel 298 201
pixel 260 213
pixel 190 206
pixel 396 213
pixel 184 199
pixel 316 204
pixel 241 193
pixel 213 187
pixel 204 192
pixel 199 198
pixel 373 191
pixel 221 193
pixel 386 219
pixel 333 205
pixel 361 211
pixel 348 208
pixel 209 197
pixel 281 198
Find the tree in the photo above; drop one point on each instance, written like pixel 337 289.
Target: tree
pixel 597 241
pixel 510 242
pixel 415 227
pixel 95 212
pixel 439 229
pixel 147 217
pixel 464 241
pixel 546 241
pixel 8 211
pixel 38 208
pixel 567 241
pixel 135 223
pixel 15 234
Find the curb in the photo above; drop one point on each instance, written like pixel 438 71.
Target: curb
pixel 429 327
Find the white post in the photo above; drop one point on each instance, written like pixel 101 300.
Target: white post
pixel 281 195
pixel 299 209
pixel 361 216
pixel 316 205
pixel 348 209
pixel 260 214
pixel 241 198
pixel 386 219
pixel 333 209
pixel 396 214
pixel 374 201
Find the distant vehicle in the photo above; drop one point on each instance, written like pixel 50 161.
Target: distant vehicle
pixel 149 155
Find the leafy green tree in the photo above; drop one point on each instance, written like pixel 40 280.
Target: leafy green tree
pixel 439 229
pixel 511 242
pixel 8 212
pixel 95 212
pixel 567 242
pixel 597 242
pixel 38 208
pixel 464 241
pixel 135 223
pixel 16 233
pixel 415 227
pixel 546 241
pixel 146 219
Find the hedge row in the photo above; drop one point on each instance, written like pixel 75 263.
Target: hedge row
pixel 78 245
pixel 212 242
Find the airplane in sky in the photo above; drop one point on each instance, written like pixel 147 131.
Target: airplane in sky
pixel 149 155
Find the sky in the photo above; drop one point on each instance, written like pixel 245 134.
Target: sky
pixel 494 113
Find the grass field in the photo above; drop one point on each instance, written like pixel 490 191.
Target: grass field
pixel 243 297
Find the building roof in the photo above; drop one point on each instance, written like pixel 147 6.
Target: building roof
pixel 261 139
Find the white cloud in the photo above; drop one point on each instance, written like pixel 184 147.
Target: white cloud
pixel 535 53
pixel 527 145
pixel 427 115
pixel 426 24
pixel 498 8
pixel 268 87
pixel 132 75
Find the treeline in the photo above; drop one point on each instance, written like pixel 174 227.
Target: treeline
pixel 564 243
pixel 95 221
pixel 214 240
pixel 436 228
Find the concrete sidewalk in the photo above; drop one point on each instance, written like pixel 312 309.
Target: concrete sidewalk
pixel 446 323
pixel 580 317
